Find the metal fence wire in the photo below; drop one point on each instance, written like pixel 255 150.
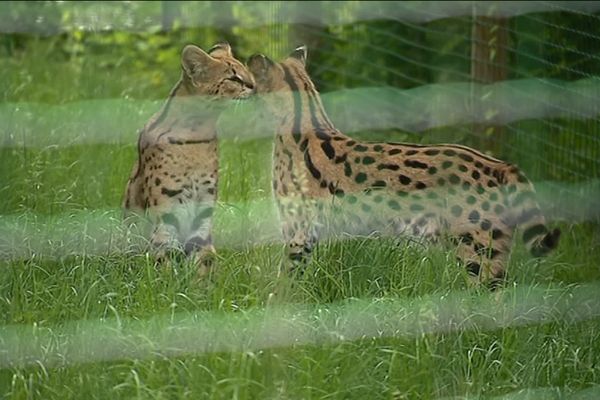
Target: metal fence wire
pixel 517 80
pixel 529 84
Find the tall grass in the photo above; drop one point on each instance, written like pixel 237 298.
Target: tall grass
pixel 69 282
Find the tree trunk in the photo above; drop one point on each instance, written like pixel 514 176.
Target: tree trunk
pixel 171 10
pixel 489 64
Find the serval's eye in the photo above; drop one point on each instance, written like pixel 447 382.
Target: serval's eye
pixel 237 79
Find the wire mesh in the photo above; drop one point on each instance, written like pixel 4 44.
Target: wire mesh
pixel 539 112
pixel 82 77
pixel 554 48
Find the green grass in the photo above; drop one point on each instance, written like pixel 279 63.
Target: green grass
pixel 369 319
pixel 69 270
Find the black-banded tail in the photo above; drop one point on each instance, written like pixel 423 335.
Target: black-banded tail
pixel 547 240
pixel 527 215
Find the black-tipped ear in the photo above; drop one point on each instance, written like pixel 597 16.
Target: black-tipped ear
pixel 221 49
pixel 259 64
pixel 195 62
pixel 300 54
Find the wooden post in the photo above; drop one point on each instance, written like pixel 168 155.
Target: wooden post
pixel 489 64
pixel 170 12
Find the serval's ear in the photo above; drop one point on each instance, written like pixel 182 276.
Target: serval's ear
pixel 221 49
pixel 196 63
pixel 299 54
pixel 260 65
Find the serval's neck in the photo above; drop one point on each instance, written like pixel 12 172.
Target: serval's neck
pixel 184 117
pixel 307 120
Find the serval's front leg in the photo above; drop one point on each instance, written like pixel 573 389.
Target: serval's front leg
pixel 198 242
pixel 299 231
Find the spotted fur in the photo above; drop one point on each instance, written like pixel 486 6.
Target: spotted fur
pixel 324 180
pixel 174 180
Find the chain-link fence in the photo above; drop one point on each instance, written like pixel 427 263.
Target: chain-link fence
pixel 523 88
pixel 517 80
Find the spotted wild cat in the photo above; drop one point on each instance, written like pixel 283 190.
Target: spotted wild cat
pixel 174 180
pixel 323 179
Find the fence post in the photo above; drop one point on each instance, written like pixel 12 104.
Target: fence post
pixel 489 64
pixel 170 12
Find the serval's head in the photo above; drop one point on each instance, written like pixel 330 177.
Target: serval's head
pixel 216 73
